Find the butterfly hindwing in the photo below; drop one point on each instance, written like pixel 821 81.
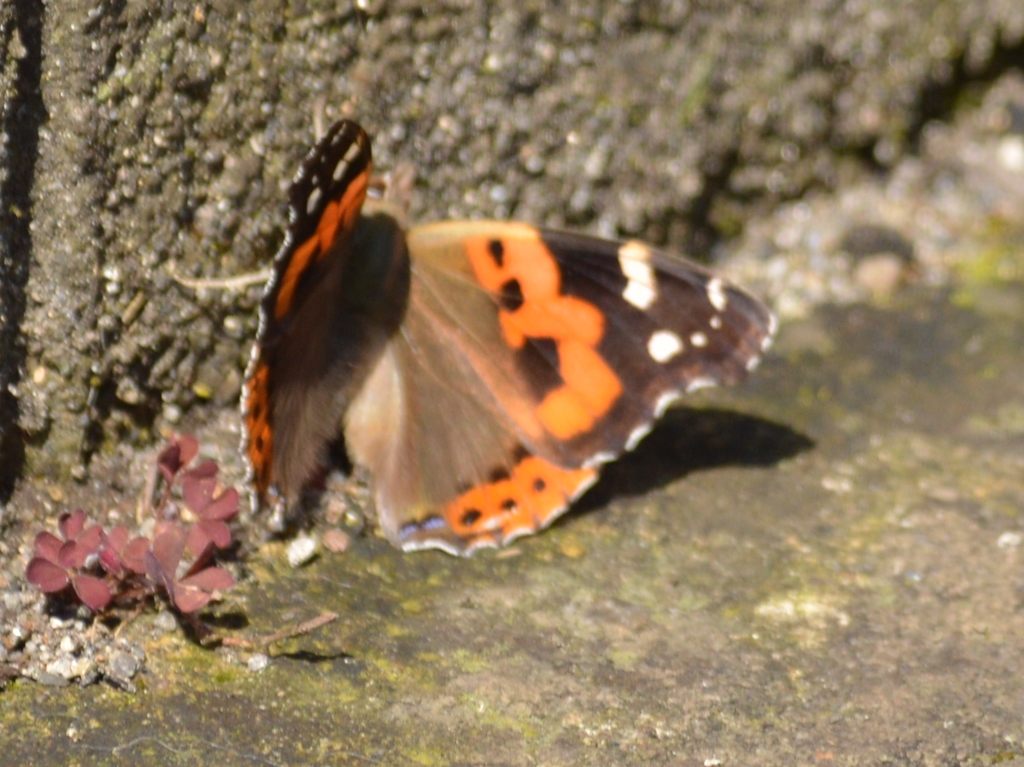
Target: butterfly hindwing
pixel 438 423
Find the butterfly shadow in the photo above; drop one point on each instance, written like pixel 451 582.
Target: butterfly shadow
pixel 688 440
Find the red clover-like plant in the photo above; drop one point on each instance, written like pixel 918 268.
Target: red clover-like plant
pixel 102 567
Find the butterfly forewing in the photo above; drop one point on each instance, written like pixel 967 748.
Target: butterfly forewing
pixel 290 403
pixel 436 424
pixel 618 331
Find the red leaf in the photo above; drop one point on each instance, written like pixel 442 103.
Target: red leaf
pixel 224 506
pixel 198 539
pixel 71 525
pixel 197 491
pixel 110 561
pixel 204 470
pixel 218 531
pixel 193 592
pixel 158 574
pixel 91 540
pixel 169 461
pixel 202 559
pixel 210 579
pixel 47 546
pixel 46 575
pixel 117 538
pixel 133 555
pixel 189 447
pixel 168 548
pixel 205 532
pixel 178 453
pixel 92 591
pixel 71 555
pixel 189 600
pixel 109 557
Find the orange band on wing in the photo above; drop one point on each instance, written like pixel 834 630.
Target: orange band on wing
pixel 526 501
pixel 591 388
pixel 339 215
pixel 260 447
pixel 526 266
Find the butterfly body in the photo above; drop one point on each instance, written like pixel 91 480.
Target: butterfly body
pixel 481 370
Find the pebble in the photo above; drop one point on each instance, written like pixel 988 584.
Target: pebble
pixel 336 541
pixel 165 622
pixel 1009 540
pixel 123 665
pixel 1011 153
pixel 172 413
pixel 301 550
pixel 84 669
pixel 51 680
pixel 61 667
pixel 258 661
pixel 880 274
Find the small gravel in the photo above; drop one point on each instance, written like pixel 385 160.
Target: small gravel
pixel 58 650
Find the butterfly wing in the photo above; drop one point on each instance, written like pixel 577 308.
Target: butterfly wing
pixel 336 295
pixel 525 360
pixel 482 382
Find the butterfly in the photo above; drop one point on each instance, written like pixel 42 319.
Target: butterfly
pixel 482 371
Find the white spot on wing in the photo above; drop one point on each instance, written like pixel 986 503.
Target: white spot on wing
pixel 637 434
pixel 519 532
pixel 698 339
pixel 638 294
pixel 353 152
pixel 700 383
pixel 664 402
pixel 663 345
pixel 634 260
pixel 442 545
pixel 716 294
pixel 479 543
pixel 715 322
pixel 636 252
pixel 599 460
pixel 494 523
pixel 313 200
pixel 583 487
